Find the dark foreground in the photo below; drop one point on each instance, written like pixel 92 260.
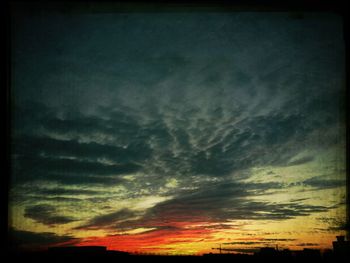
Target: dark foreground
pixel 113 256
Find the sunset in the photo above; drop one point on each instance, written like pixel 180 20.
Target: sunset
pixel 177 133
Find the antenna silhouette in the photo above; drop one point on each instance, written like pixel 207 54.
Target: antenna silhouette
pixel 219 248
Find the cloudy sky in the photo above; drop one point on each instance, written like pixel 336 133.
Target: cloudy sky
pixel 177 132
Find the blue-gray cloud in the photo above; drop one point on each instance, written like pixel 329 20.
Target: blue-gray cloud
pixel 213 203
pixel 46 214
pixel 321 183
pixel 101 221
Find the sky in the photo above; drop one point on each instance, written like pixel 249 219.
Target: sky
pixel 175 133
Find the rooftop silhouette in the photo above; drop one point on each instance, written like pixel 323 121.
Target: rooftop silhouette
pixel 341 247
pixel 79 249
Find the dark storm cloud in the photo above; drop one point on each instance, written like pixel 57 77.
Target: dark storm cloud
pixel 21 239
pixel 228 202
pixel 46 214
pixel 68 171
pixel 334 224
pixel 51 159
pixel 216 203
pixel 83 180
pixel 43 157
pixel 71 148
pixel 121 127
pixel 68 166
pixel 321 183
pixel 31 197
pixel 108 219
pixel 28 194
pixel 61 191
pixel 342 227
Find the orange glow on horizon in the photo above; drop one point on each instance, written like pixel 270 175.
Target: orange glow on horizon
pixel 154 241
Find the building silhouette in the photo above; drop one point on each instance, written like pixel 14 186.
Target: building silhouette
pixel 84 253
pixel 341 247
pixel 78 250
